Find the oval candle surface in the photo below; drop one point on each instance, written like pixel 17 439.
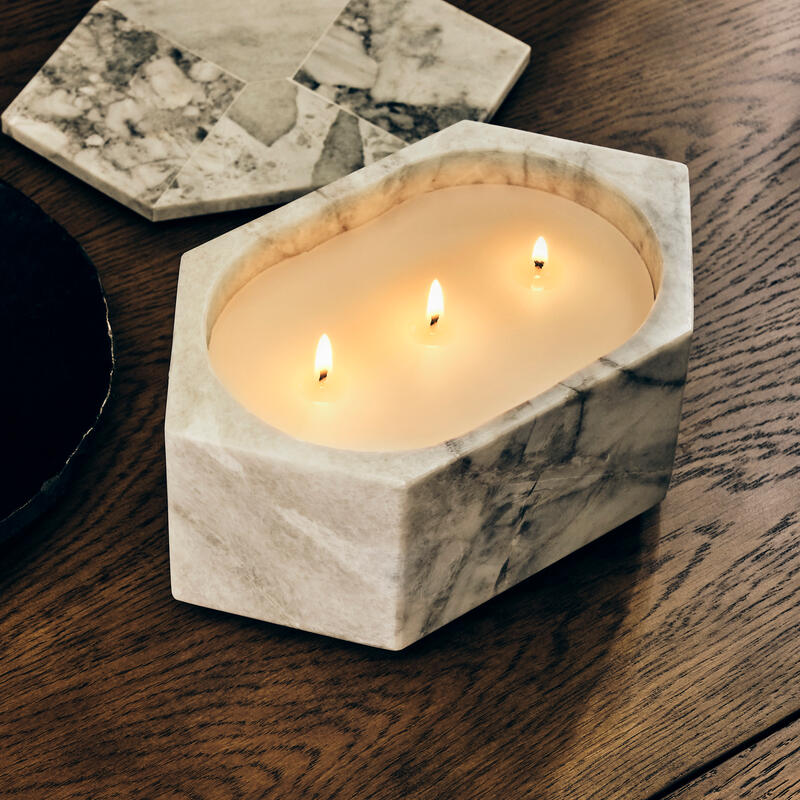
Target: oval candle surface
pixel 508 331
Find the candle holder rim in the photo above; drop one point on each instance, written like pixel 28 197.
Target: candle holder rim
pixel 669 320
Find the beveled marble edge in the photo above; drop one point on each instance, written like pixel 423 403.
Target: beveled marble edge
pixel 524 61
pixel 18 134
pixel 222 204
pixel 207 412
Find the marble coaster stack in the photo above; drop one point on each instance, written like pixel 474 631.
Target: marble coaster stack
pixel 188 107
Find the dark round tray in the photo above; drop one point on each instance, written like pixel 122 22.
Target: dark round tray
pixel 58 357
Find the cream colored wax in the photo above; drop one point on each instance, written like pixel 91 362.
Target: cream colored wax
pixel 504 337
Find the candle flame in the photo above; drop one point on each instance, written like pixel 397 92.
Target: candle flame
pixel 323 362
pixel 435 303
pixel 539 253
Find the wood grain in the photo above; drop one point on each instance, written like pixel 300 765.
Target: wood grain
pixel 768 769
pixel 612 674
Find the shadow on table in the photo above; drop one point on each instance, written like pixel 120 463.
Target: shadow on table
pixel 516 681
pixel 534 668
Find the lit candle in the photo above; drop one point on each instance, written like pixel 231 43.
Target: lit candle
pixel 319 392
pixel 544 272
pixel 435 304
pixel 431 330
pixel 323 360
pixel 539 253
pixel 366 287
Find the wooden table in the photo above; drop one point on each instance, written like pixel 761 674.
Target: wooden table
pixel 662 661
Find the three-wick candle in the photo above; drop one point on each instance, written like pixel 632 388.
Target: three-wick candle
pixel 536 287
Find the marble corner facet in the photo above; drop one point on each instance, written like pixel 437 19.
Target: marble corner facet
pixel 371 59
pixel 187 107
pixel 383 548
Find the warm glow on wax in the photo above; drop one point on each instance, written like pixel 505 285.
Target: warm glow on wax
pixel 510 331
pixel 435 304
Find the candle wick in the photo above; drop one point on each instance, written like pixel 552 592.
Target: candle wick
pixel 434 319
pixel 323 374
pixel 539 264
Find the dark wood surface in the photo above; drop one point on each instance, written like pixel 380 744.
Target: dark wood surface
pixel 623 671
pixel 770 768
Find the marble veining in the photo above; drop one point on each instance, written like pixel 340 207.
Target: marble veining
pixel 275 142
pixel 413 67
pixel 535 494
pixel 253 39
pixel 187 107
pixel 383 548
pixel 121 107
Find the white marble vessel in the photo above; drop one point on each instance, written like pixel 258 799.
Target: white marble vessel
pixel 383 548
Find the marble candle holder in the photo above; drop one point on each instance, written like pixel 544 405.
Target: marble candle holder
pixel 385 547
pixel 188 107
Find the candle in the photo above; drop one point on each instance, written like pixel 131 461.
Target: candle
pixel 323 361
pixel 378 292
pixel 435 305
pixel 539 254
pixel 372 540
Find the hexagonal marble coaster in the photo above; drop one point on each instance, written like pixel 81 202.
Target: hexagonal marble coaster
pixel 185 108
pixel 371 61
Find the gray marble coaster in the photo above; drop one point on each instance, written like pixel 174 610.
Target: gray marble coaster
pixel 277 141
pixel 121 107
pixel 413 67
pixel 254 39
pixel 188 107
